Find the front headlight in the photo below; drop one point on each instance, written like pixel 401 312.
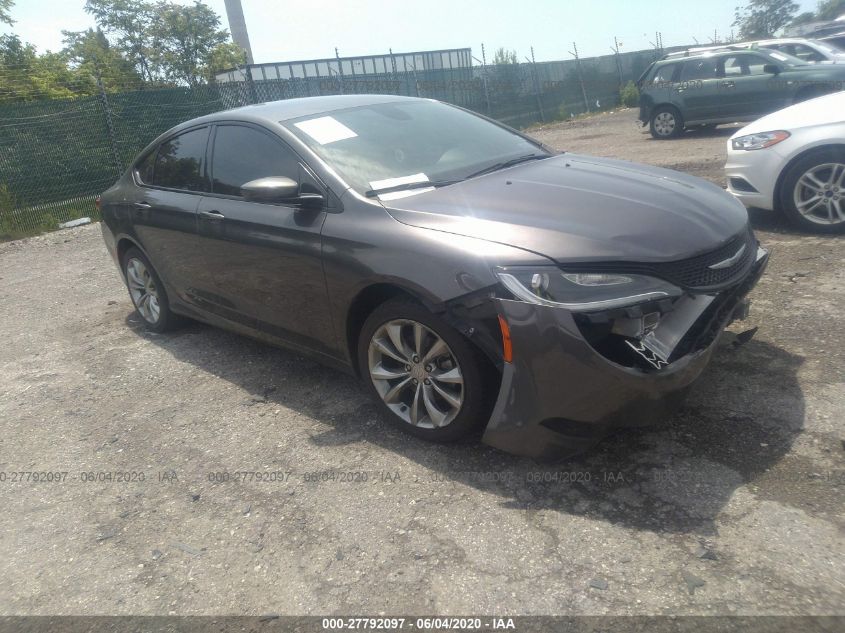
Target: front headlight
pixel 760 140
pixel 583 292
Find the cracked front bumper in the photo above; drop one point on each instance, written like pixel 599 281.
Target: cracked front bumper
pixel 559 396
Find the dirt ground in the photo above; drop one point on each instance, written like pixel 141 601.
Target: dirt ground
pixel 734 507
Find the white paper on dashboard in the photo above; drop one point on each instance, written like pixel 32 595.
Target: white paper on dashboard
pixel 395 182
pixel 325 130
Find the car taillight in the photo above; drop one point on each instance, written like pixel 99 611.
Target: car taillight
pixel 97 203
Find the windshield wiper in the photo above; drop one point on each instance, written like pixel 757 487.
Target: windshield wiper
pixel 508 163
pixel 372 193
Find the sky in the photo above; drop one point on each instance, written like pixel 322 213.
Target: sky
pixel 287 31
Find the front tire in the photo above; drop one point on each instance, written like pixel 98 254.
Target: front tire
pixel 813 192
pixel 428 379
pixel 147 293
pixel 666 122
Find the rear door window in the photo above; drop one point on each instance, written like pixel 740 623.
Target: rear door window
pixel 180 162
pixel 699 69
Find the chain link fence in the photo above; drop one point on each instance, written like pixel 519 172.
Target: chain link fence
pixel 58 154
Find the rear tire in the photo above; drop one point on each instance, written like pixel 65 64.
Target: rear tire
pixel 147 293
pixel 666 122
pixel 428 379
pixel 812 195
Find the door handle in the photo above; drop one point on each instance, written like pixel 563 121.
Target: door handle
pixel 213 215
pixel 142 206
pixel 728 84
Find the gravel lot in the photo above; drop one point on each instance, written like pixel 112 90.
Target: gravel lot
pixel 734 507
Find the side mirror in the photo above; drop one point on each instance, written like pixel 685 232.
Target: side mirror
pixel 772 69
pixel 270 189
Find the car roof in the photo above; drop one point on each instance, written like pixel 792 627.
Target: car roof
pixel 809 41
pixel 286 109
pixel 277 112
pixel 727 50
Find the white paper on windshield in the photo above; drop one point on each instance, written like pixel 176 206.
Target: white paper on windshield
pixel 325 130
pixel 401 180
pixel 395 195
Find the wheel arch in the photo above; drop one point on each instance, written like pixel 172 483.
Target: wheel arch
pixel 664 104
pixel 367 300
pixel 123 244
pixel 817 149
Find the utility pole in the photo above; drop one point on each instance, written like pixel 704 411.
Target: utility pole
pixel 107 112
pixel 339 69
pixel 393 78
pixel 537 86
pixel 615 50
pixel 580 75
pixel 483 61
pixel 237 27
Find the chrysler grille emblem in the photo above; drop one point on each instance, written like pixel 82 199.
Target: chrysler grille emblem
pixel 730 261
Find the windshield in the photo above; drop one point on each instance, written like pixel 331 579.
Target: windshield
pixel 826 47
pixel 785 58
pixel 386 145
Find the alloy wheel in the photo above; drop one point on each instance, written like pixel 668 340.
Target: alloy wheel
pixel 416 373
pixel 819 194
pixel 664 123
pixel 143 290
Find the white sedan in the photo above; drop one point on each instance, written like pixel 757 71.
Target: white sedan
pixel 794 161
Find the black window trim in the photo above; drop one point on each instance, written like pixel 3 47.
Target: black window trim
pixel 136 178
pixel 260 128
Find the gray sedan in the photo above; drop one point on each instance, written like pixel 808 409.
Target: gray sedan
pixel 476 280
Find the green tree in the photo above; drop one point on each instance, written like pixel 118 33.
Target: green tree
pixel 166 41
pixel 223 57
pixel 760 19
pixel 130 22
pixel 830 9
pixel 186 38
pixel 504 56
pixel 803 18
pixel 5 8
pixel 91 55
pixel 629 95
pixel 28 76
pixel 507 77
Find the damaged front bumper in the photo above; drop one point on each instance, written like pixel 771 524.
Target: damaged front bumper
pixel 564 389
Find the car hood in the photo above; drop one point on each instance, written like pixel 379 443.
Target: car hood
pixel 574 208
pixel 824 110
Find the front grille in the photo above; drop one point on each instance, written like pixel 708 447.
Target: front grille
pixel 693 273
pixel 696 272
